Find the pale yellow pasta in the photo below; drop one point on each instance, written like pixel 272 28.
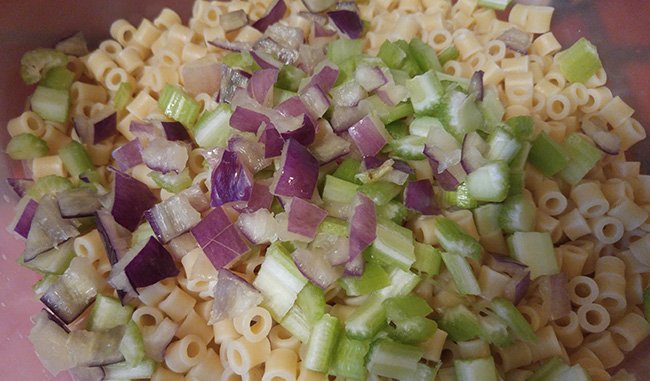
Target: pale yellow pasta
pixel 76 66
pixel 439 39
pixel 146 316
pixel 629 331
pixel 513 356
pixel 155 293
pixel 547 223
pixel 483 18
pixel 177 304
pixel 27 123
pixel 279 337
pixel 518 15
pixel 549 198
pixel 141 173
pixel 229 375
pixel 558 106
pixel 192 52
pixel 535 314
pixel 146 33
pixel 110 47
pixel 472 349
pixel 610 265
pixel 433 345
pixel 115 77
pixel 606 229
pixel 538 19
pixel 182 355
pixel 341 312
pixel 631 132
pixel 310 375
pixel 142 105
pixel 122 31
pixel 166 18
pixel 465 6
pixel 48 165
pixel 492 73
pixel 461 20
pixel 164 374
pixel 208 368
pixel 593 318
pixel 573 259
pixel 596 98
pixel 254 324
pixel 616 189
pixel 604 347
pixel 91 246
pixel 99 63
pixel 546 44
pixel 424 230
pixel 87 92
pixel 616 112
pixel 630 214
pixel 465 219
pixel 546 345
pixel 567 329
pixel 582 290
pixel 574 225
pixel 612 292
pixel 515 64
pixel 224 331
pixel 456 68
pixel 54 138
pixel 518 375
pixel 546 88
pixel 194 324
pixel 634 288
pixel 282 364
pixel 586 358
pixel 492 283
pixel 244 355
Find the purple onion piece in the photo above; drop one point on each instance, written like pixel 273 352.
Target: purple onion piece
pixel 105 127
pixel 20 186
pixel 232 296
pixel 348 94
pixel 555 295
pixel 345 117
pixel 274 14
pixel 165 156
pixel 261 83
pixel 521 284
pixel 259 227
pixel 304 135
pixel 272 141
pixel 131 198
pixel 473 150
pixel 320 30
pixel 128 155
pixel 372 162
pixel 247 120
pixel 175 131
pixel 144 130
pixel 447 180
pixel 261 198
pixel 152 264
pixel 116 238
pixel 293 106
pixel 249 151
pixel 369 135
pixel 362 225
pixel 325 78
pixel 348 22
pixel 328 146
pixel 48 229
pixel 355 266
pixel 265 60
pixel 418 195
pixel 314 266
pixel 403 166
pixel 24 223
pixel 316 101
pixel 231 181
pixel 234 46
pixel 220 239
pixel 476 85
pixel 370 78
pixel 304 217
pixel 286 35
pixel 505 264
pixel 201 76
pixel 298 172
pixel 172 217
pixel 516 40
pixel 317 6
pixel 231 81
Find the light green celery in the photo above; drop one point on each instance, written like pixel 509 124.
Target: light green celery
pixel 44 284
pixel 392 246
pixel 392 55
pixel 476 369
pixel 646 304
pixel 172 182
pixel 381 192
pixel 426 92
pixel 132 344
pixel 460 323
pixel 460 114
pixel 394 211
pixel 486 218
pixel 35 63
pixel 495 331
pixel 397 129
pixel 348 170
pixel 423 372
pixel 401 283
pixel 337 190
pixel 281 95
pixel 242 60
pixel 289 78
pixel 213 127
pixel 492 109
pixel 462 82
pixel 51 104
pixel 349 359
pixel 504 309
pixel 374 277
pixel 367 319
pixel 58 78
pixel 503 146
pixel 461 273
pixel 76 161
pixel 518 162
pixel 311 299
pixel 26 146
pixel 535 250
pixel 455 240
pixel 127 371
pixel 490 182
pixel 583 156
pixel 335 226
pixel 516 183
pixel 494 4
pixel 410 65
pixel 408 148
pixel 424 55
pixel 141 233
pixel 427 259
pixel 123 96
pixel 279 280
pixel 108 312
pixel 397 112
pixel 574 373
pixel 393 360
pixel 53 261
pixel 460 197
pixel 420 126
pixel 579 62
pixel 547 156
pixel 342 49
pixel 448 54
pixel 413 330
pixel 549 370
pixel 517 214
pixel 346 70
pixel 521 127
pixel 296 322
pixel 404 307
pixel 179 105
pixel 50 184
pixel 322 344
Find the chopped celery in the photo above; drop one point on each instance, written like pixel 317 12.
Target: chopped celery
pixel 494 4
pixel 583 156
pixel 213 127
pixel 486 218
pixel 123 96
pixel 547 156
pixel 51 104
pixel 393 246
pixel 460 323
pixel 574 373
pixel 535 250
pixel 408 148
pixel 128 371
pixel 26 146
pixel 296 322
pixel 427 259
pixel 579 62
pixel 422 125
pixel 58 78
pixel 476 369
pixel 289 78
pixel 141 233
pixel 492 109
pixel 401 283
pixel 521 127
pixel 398 129
pixel 504 308
pixel 50 184
pixel 172 182
pixel 76 160
pixel 503 146
pixel 460 114
pixel 342 49
pixel 424 55
pixel 460 197
pixel 335 226
pixel 53 261
pixel 108 312
pixel 518 162
pixel 348 170
pixel 349 359
pixel 337 190
pixel 393 360
pixel 394 211
pixel 311 299
pixel 397 112
pixel 413 330
pixel 367 319
pixel 495 331
pixel 549 370
pixel 410 65
pixel 380 192
pixel 490 182
pixel 517 214
pixel 392 55
pixel 35 63
pixel 400 308
pixel 516 183
pixel 448 54
pixel 461 273
pixel 132 344
pixel 322 344
pixel 426 92
pixel 424 372
pixel 455 240
pixel 242 60
pixel 179 105
pixel 374 277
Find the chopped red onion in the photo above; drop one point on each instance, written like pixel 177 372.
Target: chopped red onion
pixel 309 56
pixel 265 60
pixel 418 195
pixel 442 147
pixel 128 155
pixel 305 134
pixel 78 202
pixel 313 264
pixel 369 135
pixel 347 22
pixel 259 227
pixel 235 46
pixel 20 186
pixel 516 40
pixel 370 78
pixel 175 131
pixel 24 222
pixel 116 238
pixel 260 86
pixel 172 217
pixel 321 30
pixel 362 225
pixel 97 128
pixel 74 45
pixel 232 296
pixel 517 289
pixel 555 296
pixel 201 76
pixel 450 178
pixel 596 128
pixel 392 94
pixel 316 101
pixel 247 120
pixel 304 217
pixel 403 166
pixel 348 94
pixel 233 20
pixel 473 151
pixel 196 197
pixel 355 266
pixel 286 35
pixel 48 229
pixel 328 146
pixel 272 141
pixel 344 117
pixel 282 54
pixel 230 180
pixel 298 172
pixel 131 198
pixel 293 106
pixel 144 131
pixel 274 13
pixel 152 264
pixel 164 156
pixel 324 78
pixel 219 238
pixel 476 85
pixel 317 6
pixel 250 152
pixel 231 81
pixel 261 198
pixel 505 264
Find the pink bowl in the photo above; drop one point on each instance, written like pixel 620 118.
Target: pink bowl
pixel 620 29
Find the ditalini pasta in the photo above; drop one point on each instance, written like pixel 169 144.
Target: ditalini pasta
pixel 304 190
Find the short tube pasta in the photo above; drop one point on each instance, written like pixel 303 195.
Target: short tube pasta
pixel 604 347
pixel 629 331
pixel 593 318
pixel 279 337
pixel 182 355
pixel 567 329
pixel 254 324
pixel 589 199
pixel 244 355
pixel 583 290
pixel 282 364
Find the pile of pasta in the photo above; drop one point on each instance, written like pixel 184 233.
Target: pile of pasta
pixel 599 226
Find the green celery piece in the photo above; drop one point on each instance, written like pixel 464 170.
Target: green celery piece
pixel 132 344
pixel 503 146
pixel 521 126
pixel 349 359
pixel 44 284
pixel 549 370
pixel 392 247
pixel 51 104
pixel 517 183
pixel 392 55
pixel 322 344
pixel 518 162
pixel 574 373
pixel 337 190
pixel 123 96
pixel 426 92
pixel 495 331
pixel 424 55
pixel 126 370
pixel 335 226
pixel 348 170
pixel 346 70
pixel 410 65
pixel 427 259
pixel 141 233
pixel 535 250
pixel 401 283
pixel 367 319
pixel 393 360
pixel 460 323
pixel 400 308
pixel 281 95
pixel 421 126
pixel 26 146
pixel 172 182
pixel 176 104
pixel 380 192
pixel 35 63
pixel 455 240
pixel 242 60
pixel 583 156
pixel 579 62
pixel 374 277
pixel 646 304
pixel 54 261
pixel 397 129
pixel 460 114
pixel 459 198
pixel 504 308
pixel 461 273
pixel 340 50
pixel 289 78
pixel 296 322
pixel 397 112
pixel 486 218
pixel 58 78
pixel 108 312
pixel 76 160
pixel 499 5
pixel 50 184
pixel 489 183
pixel 476 369
pixel 517 214
pixel 547 156
pixel 394 211
pixel 312 301
pixel 450 80
pixel 213 127
pixel 413 330
pixel 424 372
pixel 448 54
pixel 492 109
